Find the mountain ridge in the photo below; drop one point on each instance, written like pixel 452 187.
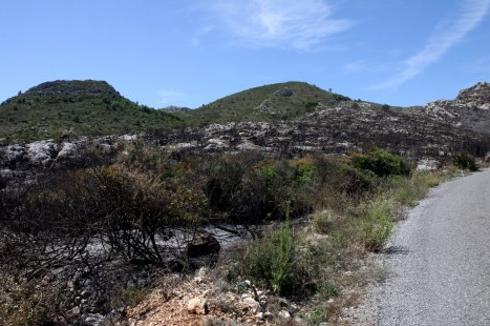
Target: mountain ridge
pixel 291 114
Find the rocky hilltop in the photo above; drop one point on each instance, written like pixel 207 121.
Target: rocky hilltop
pixel 282 101
pixel 75 108
pixel 470 110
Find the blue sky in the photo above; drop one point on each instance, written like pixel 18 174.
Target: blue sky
pixel 191 52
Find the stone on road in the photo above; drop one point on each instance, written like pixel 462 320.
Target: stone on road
pixel 438 262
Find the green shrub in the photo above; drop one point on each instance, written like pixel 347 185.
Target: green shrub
pixel 376 223
pixel 382 163
pixel 275 262
pixel 325 221
pixel 328 290
pixel 409 190
pixel 465 162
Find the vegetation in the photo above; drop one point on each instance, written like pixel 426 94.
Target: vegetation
pixel 270 102
pixel 465 162
pixel 74 108
pixel 134 206
pixel 382 163
pixel 275 261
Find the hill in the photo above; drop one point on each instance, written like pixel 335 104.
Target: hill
pixel 74 108
pixel 282 101
pixel 470 110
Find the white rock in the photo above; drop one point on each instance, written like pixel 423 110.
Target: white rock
pixel 284 315
pixel 427 165
pixel 42 152
pixel 251 304
pixel 68 151
pixel 248 146
pixel 198 306
pixel 128 137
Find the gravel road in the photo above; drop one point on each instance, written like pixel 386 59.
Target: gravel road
pixel 438 261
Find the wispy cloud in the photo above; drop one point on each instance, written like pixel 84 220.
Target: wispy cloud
pixel 472 13
pixel 280 23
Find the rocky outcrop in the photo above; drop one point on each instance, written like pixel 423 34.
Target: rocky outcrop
pixel 26 163
pixel 470 110
pixel 346 128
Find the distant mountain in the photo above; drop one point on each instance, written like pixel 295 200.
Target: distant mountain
pixel 283 101
pixel 174 109
pixel 64 108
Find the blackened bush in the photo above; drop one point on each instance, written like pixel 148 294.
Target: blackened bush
pixel 381 162
pixel 129 210
pixel 465 162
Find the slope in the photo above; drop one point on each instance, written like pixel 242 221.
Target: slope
pixel 75 108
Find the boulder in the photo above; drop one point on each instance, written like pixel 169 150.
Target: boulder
pixel 203 244
pixel 69 151
pixel 42 153
pixel 284 315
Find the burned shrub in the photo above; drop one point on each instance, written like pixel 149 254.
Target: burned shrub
pixel 465 162
pixel 254 191
pixel 131 212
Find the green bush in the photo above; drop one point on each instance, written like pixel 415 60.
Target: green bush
pixel 376 222
pixel 382 163
pixel 465 162
pixel 275 262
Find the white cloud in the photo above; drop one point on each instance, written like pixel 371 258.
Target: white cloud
pixel 472 13
pixel 300 24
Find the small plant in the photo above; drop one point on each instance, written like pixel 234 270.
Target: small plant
pixel 275 262
pixel 128 297
pixel 324 221
pixel 328 290
pixel 382 163
pixel 316 317
pixel 376 223
pixel 465 162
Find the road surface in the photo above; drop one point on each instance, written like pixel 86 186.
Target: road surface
pixel 438 262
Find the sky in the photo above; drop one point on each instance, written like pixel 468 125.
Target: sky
pixel 191 52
